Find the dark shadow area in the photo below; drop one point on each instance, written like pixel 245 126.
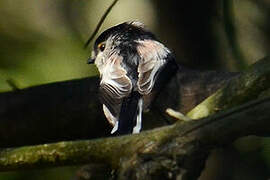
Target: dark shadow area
pixel 186 26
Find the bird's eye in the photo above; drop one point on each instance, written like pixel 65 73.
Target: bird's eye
pixel 101 46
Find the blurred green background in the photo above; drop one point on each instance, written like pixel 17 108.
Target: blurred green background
pixel 42 42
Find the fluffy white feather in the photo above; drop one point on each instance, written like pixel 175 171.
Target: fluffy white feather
pixel 153 55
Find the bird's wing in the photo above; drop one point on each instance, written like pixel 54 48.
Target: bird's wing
pixel 156 67
pixel 114 86
pixel 153 58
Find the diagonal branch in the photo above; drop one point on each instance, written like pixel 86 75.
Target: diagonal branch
pixel 250 85
pixel 184 152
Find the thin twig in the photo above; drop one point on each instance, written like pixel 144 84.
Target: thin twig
pixel 100 23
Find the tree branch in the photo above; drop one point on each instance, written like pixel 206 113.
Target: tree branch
pixel 71 110
pixel 250 85
pixel 188 144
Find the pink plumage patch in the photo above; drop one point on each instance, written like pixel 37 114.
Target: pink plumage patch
pixel 153 55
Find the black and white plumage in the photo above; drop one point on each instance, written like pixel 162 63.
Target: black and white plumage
pixel 133 67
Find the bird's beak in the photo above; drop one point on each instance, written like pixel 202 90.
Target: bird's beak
pixel 90 60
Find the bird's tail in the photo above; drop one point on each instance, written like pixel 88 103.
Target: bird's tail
pixel 130 115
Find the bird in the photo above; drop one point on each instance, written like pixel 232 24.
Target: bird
pixel 134 67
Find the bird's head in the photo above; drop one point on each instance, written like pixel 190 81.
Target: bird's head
pixel 121 39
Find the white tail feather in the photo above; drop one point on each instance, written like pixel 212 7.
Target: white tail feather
pixel 115 127
pixel 138 126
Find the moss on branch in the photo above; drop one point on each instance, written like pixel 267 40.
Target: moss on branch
pixel 200 135
pixel 250 85
pixel 104 150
